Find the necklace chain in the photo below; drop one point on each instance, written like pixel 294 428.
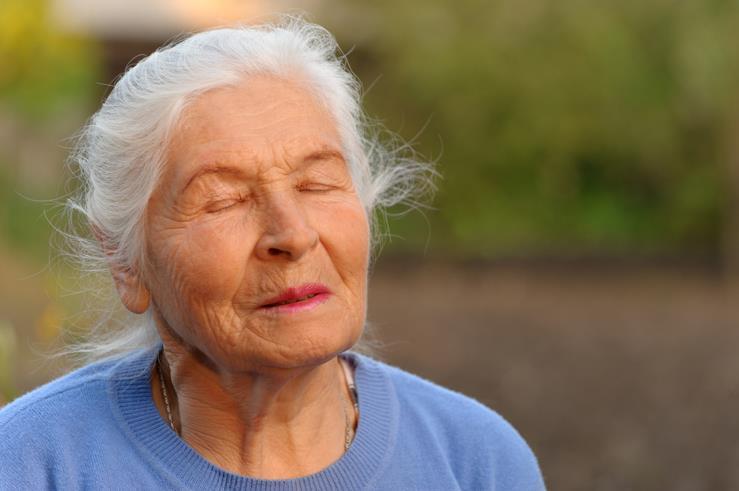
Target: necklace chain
pixel 164 392
pixel 348 430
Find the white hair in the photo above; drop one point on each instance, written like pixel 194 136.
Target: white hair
pixel 120 153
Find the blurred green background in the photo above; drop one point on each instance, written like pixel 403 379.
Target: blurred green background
pixel 579 141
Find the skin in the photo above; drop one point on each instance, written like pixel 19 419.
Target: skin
pixel 255 198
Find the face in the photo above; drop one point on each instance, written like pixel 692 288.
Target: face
pixel 257 242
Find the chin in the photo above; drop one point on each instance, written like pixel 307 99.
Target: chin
pixel 316 349
pixel 304 348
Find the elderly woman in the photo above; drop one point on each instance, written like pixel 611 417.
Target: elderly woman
pixel 229 186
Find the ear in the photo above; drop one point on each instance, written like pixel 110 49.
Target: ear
pixel 134 294
pixel 128 282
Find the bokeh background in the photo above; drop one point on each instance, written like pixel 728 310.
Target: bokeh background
pixel 578 267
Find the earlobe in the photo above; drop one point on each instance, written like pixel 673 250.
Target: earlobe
pixel 134 295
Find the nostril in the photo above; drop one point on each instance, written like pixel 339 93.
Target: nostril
pixel 273 251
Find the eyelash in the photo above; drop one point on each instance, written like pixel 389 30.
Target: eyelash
pixel 311 187
pixel 214 207
pixel 315 187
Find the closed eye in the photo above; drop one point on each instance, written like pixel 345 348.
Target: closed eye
pixel 315 187
pixel 224 204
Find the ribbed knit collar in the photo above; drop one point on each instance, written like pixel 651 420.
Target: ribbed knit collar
pixel 356 469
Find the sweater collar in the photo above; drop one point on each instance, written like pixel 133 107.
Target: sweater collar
pixel 371 448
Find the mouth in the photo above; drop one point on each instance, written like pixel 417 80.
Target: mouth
pixel 292 300
pixel 298 298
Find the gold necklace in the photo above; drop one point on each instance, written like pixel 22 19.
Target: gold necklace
pixel 164 392
pixel 349 430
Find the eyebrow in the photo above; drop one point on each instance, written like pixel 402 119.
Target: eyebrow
pixel 324 154
pixel 213 169
pixel 218 168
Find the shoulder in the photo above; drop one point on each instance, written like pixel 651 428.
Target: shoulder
pixel 445 408
pixel 480 445
pixel 50 433
pixel 58 393
pixel 76 402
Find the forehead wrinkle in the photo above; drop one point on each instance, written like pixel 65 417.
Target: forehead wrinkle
pixel 261 145
pixel 289 157
pixel 200 117
pixel 208 143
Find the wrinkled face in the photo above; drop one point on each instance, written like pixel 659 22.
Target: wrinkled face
pixel 257 242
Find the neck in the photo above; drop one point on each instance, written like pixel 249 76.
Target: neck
pixel 272 426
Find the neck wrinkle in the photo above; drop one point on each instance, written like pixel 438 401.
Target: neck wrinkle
pixel 270 428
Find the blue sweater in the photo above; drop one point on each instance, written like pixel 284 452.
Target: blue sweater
pixel 98 428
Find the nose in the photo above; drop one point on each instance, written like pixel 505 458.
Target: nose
pixel 287 232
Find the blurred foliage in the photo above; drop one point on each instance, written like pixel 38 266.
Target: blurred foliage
pixel 23 221
pixel 44 70
pixel 8 348
pixel 561 126
pixel 46 76
pixel 47 84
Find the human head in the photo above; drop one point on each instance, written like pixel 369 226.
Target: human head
pixel 121 152
pixel 255 207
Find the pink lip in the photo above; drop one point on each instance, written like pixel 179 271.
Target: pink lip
pixel 294 299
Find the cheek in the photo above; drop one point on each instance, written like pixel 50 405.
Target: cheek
pixel 346 238
pixel 202 261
